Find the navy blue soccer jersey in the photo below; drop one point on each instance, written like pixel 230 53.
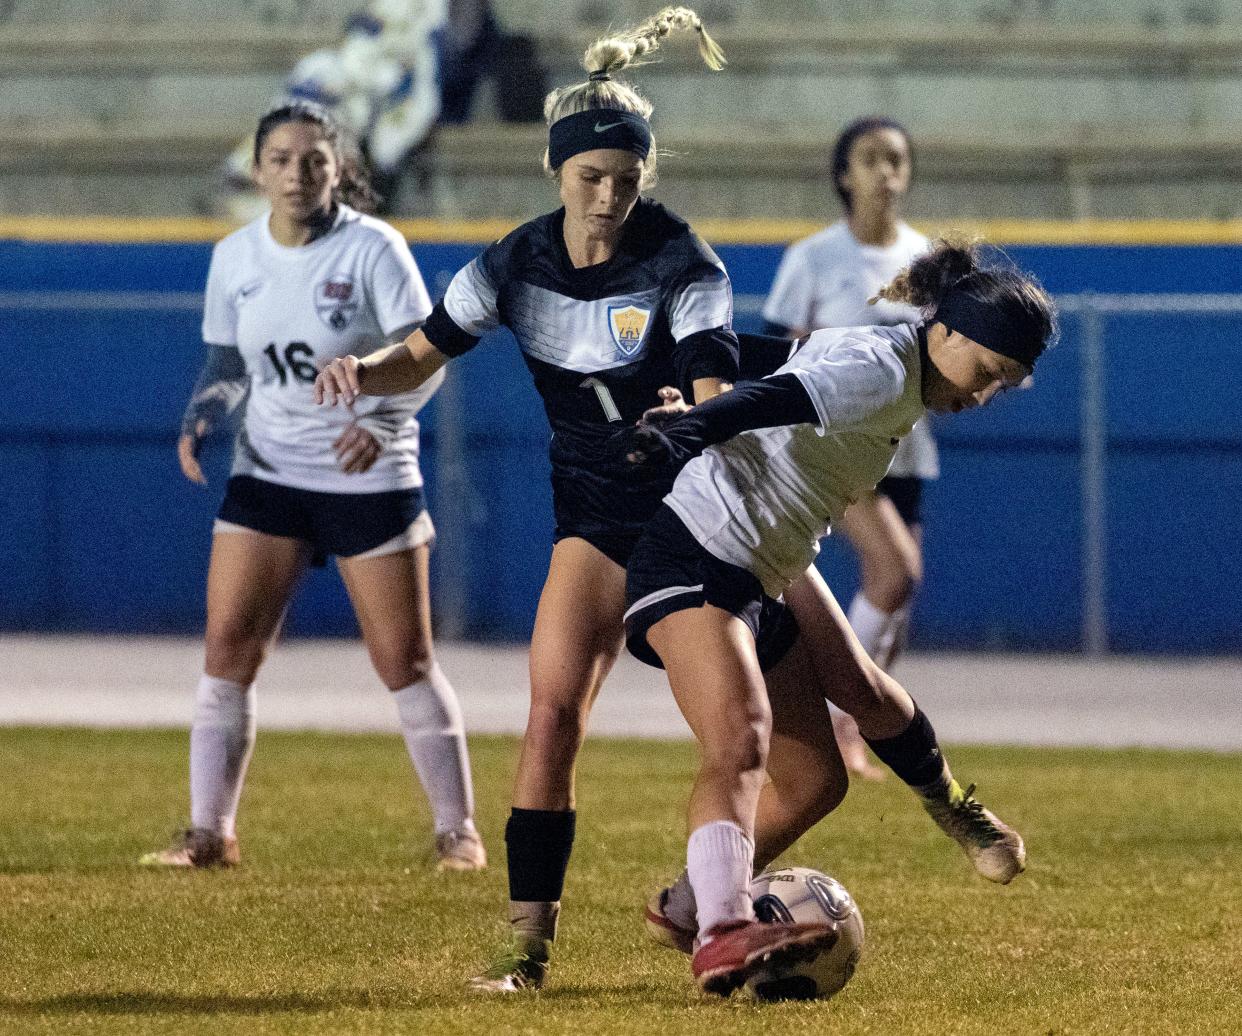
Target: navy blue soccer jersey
pixel 600 342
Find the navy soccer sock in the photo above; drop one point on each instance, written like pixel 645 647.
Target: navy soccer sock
pixel 914 754
pixel 539 842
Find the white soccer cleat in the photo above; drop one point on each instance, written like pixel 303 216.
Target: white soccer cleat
pixel 663 929
pixel 196 848
pixel 460 850
pixel 995 848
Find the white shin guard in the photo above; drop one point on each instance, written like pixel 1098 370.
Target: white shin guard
pixel 719 860
pixel 221 741
pixel 431 724
pixel 882 634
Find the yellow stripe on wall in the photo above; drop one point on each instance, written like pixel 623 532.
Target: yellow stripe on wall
pixel 111 229
pixel 724 232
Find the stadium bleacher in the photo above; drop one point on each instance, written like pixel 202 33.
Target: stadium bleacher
pixel 1110 109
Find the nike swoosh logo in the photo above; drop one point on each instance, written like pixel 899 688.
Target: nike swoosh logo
pixel 608 126
pixel 249 290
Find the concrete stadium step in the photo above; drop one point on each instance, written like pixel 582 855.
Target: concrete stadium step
pixel 492 170
pixel 819 75
pixel 1044 122
pixel 536 13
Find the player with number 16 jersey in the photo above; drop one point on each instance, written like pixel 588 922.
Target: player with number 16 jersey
pixel 311 281
pixel 290 310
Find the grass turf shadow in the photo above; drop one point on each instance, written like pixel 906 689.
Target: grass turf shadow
pixel 146 1003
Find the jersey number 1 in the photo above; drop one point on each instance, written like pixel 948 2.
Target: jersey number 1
pixel 301 369
pixel 605 398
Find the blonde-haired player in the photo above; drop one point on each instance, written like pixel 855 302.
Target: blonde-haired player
pixel 609 298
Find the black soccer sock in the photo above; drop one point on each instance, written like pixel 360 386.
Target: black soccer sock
pixel 539 842
pixel 914 754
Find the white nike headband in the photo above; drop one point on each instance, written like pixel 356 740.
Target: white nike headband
pixel 594 129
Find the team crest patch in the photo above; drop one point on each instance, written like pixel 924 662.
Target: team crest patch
pixel 628 325
pixel 336 301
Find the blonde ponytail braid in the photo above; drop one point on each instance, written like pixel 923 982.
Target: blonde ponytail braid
pixel 620 51
pixel 614 53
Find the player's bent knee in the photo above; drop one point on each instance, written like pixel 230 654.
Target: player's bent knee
pixel 399 668
pixel 872 683
pixel 893 587
pixel 815 791
pixel 864 686
pixel 742 752
pixel 557 720
pixel 829 794
pixel 233 652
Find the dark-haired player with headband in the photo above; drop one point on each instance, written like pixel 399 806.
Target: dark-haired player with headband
pixel 767 468
pixel 311 279
pixel 829 280
pixel 609 298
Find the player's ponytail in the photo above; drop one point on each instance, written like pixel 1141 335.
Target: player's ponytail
pixel 954 283
pixel 615 53
pixel 355 187
pixel 926 281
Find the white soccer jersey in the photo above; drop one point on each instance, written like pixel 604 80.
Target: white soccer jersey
pixel 292 310
pixel 826 279
pixel 763 499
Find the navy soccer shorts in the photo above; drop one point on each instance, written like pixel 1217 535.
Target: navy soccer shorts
pixel 340 524
pixel 906 493
pixel 670 571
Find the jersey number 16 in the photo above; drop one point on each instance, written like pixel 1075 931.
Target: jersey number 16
pixel 301 369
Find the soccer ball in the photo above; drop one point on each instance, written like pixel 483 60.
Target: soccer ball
pixel 802 894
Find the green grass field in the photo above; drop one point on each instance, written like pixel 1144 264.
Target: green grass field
pixel 1128 920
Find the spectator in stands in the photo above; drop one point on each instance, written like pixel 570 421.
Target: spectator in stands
pixel 382 83
pixel 474 48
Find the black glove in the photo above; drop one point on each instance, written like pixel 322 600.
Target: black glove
pixel 775 401
pixel 667 450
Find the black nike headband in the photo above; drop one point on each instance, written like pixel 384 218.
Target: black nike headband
pixel 594 129
pixel 990 326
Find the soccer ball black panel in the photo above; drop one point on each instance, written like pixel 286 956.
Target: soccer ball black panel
pixel 802 894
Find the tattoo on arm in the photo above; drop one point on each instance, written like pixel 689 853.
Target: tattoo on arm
pixel 221 387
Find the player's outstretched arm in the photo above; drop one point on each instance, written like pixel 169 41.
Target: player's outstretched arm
pixel 397 368
pixel 779 400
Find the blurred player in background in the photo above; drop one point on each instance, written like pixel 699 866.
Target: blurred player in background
pixel 742 524
pixel 313 280
pixel 610 298
pixel 381 83
pixel 827 280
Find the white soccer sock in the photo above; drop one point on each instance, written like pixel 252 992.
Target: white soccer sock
pixel 221 740
pixel 431 724
pixel 679 906
pixel 879 632
pixel 719 859
pixel 901 634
